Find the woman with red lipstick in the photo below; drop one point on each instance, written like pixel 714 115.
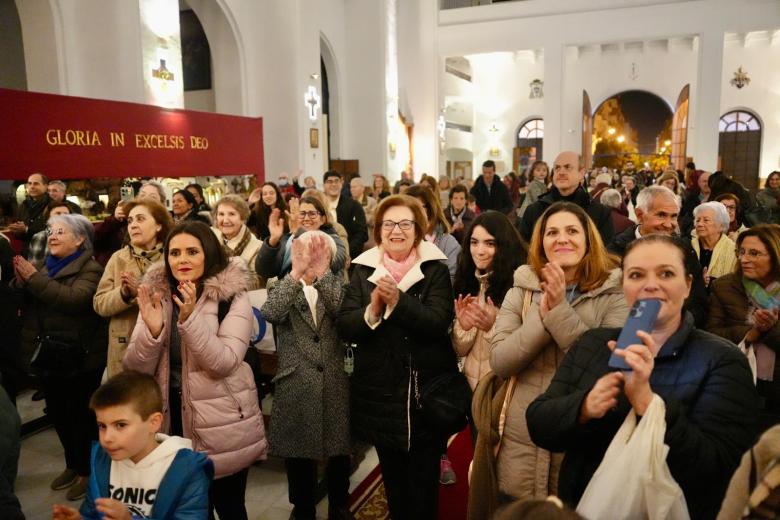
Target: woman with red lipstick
pixel 744 307
pixel 574 286
pixel 148 223
pixel 193 331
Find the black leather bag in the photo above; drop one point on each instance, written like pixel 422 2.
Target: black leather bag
pixel 446 402
pixel 56 356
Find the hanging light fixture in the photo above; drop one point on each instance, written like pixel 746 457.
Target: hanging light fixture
pixel 740 78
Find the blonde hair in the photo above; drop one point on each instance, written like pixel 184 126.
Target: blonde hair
pixel 595 266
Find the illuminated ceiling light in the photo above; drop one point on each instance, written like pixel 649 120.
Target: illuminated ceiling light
pixel 312 102
pixel 611 131
pixel 621 139
pixel 667 142
pixel 740 78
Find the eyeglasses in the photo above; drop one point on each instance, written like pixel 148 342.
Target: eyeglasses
pixel 58 231
pixel 750 253
pixel 404 225
pixel 308 214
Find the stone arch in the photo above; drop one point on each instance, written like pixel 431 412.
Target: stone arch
pixel 333 74
pixel 44 46
pixel 12 71
pixel 228 56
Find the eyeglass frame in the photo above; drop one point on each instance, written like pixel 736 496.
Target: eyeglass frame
pixel 404 225
pixel 750 253
pixel 309 214
pixel 60 231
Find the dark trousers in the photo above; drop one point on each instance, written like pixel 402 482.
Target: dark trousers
pixel 302 484
pixel 411 480
pixel 226 496
pixel 67 405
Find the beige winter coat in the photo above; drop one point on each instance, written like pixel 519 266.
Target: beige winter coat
pixel 533 349
pixel 108 303
pixel 474 345
pixel 248 255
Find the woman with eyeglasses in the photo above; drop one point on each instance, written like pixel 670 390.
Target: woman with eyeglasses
pixel 58 305
pixel 398 310
pixel 744 307
pixel 734 209
pixel 274 258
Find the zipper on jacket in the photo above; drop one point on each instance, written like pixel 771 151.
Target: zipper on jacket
pixel 233 397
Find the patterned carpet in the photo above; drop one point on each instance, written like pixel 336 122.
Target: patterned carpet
pixel 368 501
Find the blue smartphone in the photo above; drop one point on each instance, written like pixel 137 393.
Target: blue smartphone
pixel 641 317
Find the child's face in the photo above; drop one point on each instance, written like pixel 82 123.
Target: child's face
pixel 124 434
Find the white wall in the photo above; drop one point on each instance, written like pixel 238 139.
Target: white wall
pixel 761 59
pixel 202 100
pixel 12 73
pixel 43 52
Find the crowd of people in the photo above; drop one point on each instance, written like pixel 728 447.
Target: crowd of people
pixel 403 315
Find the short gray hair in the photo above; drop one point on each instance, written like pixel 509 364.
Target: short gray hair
pixel 58 183
pixel 160 190
pixel 79 225
pixel 719 211
pixel 646 198
pixel 604 178
pixel 306 236
pixel 611 198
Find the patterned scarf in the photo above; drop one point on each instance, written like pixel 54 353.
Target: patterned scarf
pixel 399 269
pixel 764 298
pixel 144 258
pixel 245 238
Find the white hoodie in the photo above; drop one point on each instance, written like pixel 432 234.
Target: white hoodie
pixel 135 485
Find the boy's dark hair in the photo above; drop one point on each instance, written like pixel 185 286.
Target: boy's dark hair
pixel 489 164
pixel 141 391
pixel 331 173
pixel 459 188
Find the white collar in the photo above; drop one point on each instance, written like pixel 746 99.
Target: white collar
pixel 426 251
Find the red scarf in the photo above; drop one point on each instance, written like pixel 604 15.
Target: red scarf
pixel 399 269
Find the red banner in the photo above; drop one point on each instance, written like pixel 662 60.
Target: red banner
pixel 67 137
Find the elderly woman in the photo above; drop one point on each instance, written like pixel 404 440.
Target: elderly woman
pixel 148 223
pixel 39 243
pixel 398 311
pixel 310 417
pixel 193 330
pixel 734 209
pixel 744 307
pixel 704 382
pixel 274 258
pixel 713 247
pixel 438 231
pixel 185 207
pixel 230 215
pixel 612 199
pixel 59 308
pixel 571 285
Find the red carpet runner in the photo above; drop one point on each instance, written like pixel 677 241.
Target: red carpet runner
pixel 368 501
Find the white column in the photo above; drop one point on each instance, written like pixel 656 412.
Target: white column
pixel 553 100
pixel 703 126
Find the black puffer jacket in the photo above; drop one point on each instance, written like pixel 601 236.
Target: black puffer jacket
pixel 418 330
pixel 598 213
pixel 711 410
pixel 697 302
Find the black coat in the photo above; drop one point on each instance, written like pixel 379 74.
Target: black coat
pixel 10 426
pixel 32 213
pixel 416 332
pixel 10 305
pixel 497 198
pixel 711 411
pixel 698 301
pixel 350 214
pixel 598 213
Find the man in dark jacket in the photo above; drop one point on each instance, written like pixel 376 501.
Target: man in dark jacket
pixel 10 426
pixel 568 174
pixel 657 210
pixel 346 211
pixel 490 192
pixel 30 215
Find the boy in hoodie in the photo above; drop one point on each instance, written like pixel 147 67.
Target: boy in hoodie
pixel 137 472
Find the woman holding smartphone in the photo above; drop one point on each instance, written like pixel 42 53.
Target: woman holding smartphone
pixel 704 381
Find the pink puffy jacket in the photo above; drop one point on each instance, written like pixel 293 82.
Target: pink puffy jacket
pixel 220 412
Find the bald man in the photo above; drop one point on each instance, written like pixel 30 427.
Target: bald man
pixel 568 174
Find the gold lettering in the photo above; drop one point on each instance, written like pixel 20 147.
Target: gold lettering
pixel 117 138
pixel 51 136
pixel 70 137
pixel 199 143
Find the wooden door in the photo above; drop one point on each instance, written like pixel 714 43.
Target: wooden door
pixel 680 130
pixel 740 153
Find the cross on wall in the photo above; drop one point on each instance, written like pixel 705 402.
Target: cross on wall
pixel 312 101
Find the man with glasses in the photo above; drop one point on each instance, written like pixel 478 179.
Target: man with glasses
pixel 346 211
pixel 30 215
pixel 568 174
pixel 657 209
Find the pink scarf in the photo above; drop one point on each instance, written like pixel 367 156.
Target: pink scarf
pixel 399 269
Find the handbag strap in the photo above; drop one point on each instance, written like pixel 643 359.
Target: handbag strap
pixel 510 390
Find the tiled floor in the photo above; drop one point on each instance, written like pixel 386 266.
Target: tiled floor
pixel 266 494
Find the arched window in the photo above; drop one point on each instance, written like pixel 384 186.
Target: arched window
pixel 739 147
pixel 528 144
pixel 739 121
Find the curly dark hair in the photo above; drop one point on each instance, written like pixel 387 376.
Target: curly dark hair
pixel 511 252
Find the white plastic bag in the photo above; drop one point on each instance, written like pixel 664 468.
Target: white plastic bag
pixel 633 480
pixel 750 353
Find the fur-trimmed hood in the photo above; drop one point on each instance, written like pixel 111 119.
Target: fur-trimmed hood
pixel 232 280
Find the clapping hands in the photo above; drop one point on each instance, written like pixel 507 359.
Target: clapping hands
pixel 471 314
pixel 310 260
pixel 23 269
pixel 553 286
